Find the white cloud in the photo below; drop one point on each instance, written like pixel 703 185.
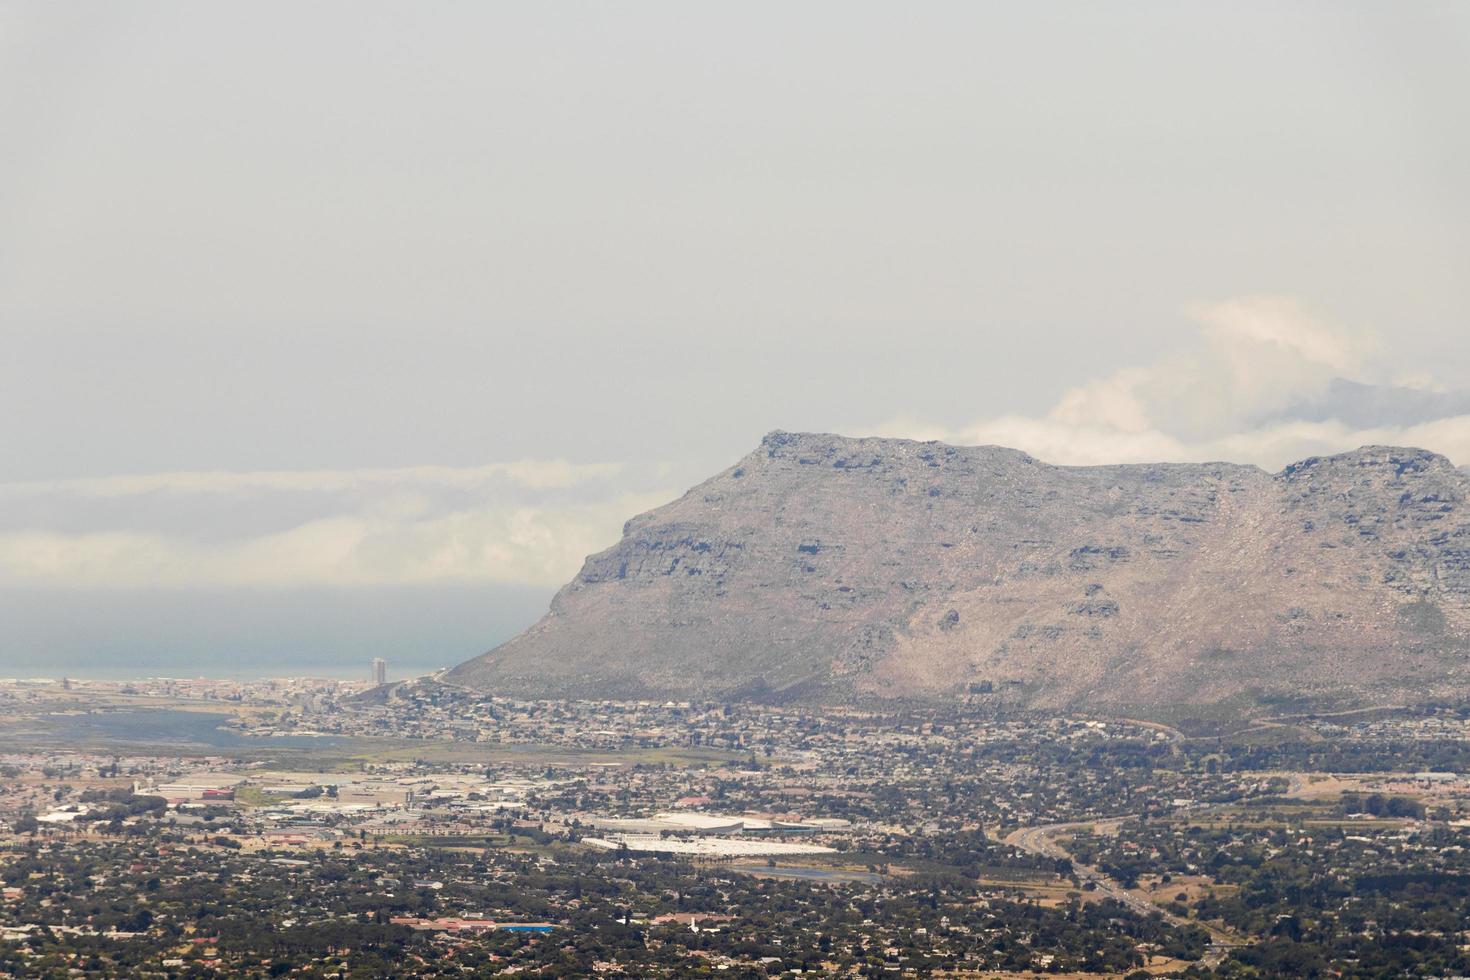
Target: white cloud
pixel 1258 387
pixel 530 522
pixel 531 473
pixel 527 545
pixel 1232 398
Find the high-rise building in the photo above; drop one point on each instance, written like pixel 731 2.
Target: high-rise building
pixel 380 671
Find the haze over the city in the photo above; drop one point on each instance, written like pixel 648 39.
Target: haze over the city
pixel 754 490
pixel 338 331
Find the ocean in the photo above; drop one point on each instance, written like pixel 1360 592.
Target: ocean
pixel 250 633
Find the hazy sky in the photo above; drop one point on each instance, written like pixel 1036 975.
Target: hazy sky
pixel 357 297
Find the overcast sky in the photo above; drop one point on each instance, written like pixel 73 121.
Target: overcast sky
pixel 358 297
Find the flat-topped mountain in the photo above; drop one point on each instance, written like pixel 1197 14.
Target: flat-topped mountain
pixel 830 568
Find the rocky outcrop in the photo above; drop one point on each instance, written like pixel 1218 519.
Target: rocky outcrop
pixel 822 567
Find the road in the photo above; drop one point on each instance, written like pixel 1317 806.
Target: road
pixel 1042 841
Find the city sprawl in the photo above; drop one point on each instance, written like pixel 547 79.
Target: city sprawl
pixel 318 828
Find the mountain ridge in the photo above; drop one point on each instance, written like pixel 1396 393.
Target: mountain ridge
pixel 833 568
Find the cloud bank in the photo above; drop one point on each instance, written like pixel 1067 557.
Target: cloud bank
pixel 529 522
pixel 1265 383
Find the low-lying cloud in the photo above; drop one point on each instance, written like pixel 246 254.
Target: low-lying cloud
pixel 532 474
pixel 1266 384
pixel 530 522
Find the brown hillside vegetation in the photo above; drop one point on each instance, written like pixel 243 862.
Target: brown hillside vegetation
pixel 831 568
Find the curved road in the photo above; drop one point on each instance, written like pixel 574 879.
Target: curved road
pixel 1042 841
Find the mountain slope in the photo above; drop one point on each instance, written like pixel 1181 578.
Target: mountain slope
pixel 835 568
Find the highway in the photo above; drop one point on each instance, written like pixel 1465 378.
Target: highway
pixel 1042 841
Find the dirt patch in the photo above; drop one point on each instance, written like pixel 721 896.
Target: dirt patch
pixel 1192 887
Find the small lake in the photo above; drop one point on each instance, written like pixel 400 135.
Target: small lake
pixel 155 726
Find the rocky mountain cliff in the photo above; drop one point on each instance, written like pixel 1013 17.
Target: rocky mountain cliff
pixel 822 567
